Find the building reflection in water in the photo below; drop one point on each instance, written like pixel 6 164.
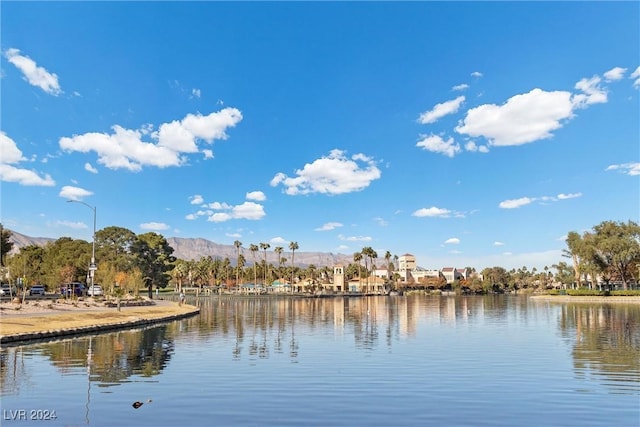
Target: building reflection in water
pixel 605 339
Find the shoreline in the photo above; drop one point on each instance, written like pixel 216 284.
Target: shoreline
pixel 598 299
pixel 22 327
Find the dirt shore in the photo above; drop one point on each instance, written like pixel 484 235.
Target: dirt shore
pixel 52 319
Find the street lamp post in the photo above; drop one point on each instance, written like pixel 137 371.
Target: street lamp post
pixel 92 266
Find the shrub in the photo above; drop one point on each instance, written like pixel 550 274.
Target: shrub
pixel 627 293
pixel 585 292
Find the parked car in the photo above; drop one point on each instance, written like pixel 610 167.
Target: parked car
pixel 6 289
pixel 37 290
pixel 95 290
pixel 75 288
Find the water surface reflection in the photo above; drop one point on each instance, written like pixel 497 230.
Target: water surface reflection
pixel 369 361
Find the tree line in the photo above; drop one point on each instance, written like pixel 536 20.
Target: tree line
pixel 128 262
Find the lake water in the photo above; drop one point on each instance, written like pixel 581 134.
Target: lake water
pixel 368 361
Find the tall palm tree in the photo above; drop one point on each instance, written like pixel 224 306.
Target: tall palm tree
pixel 254 248
pixel 278 250
pixel 357 258
pixel 387 258
pixel 293 246
pixel 369 253
pixel 264 247
pixel 238 245
pixel 225 268
pixel 240 266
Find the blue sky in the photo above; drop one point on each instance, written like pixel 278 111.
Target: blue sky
pixel 466 134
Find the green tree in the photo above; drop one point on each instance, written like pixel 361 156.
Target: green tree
pixel 254 249
pixel 616 247
pixel 113 245
pixel 264 247
pixel 153 257
pixel 278 250
pixel 294 247
pixel 238 245
pixel 240 263
pixel 5 244
pixel 66 252
pixel 576 250
pixel 28 264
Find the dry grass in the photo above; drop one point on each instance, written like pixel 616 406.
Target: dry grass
pixel 25 319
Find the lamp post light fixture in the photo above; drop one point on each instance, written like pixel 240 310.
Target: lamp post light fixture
pixel 92 266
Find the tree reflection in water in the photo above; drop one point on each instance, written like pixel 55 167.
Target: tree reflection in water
pixel 605 339
pixel 606 342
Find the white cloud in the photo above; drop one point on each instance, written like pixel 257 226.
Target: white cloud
pixel 74 193
pixel 278 240
pixel 219 206
pixel 234 235
pixel 476 74
pixel 35 75
pixel 354 238
pixel 452 241
pixel 473 147
pixel 154 226
pixel 11 155
pixel 333 174
pixel 196 92
pixel 533 116
pixel 515 203
pixel 10 151
pixel 432 212
pixel 125 149
pixel 220 217
pixel 191 217
pixel 496 243
pixel 74 225
pixel 632 169
pixel 247 210
pixel 523 201
pixel 329 226
pixel 441 110
pixel 616 73
pixel 522 119
pixel 636 75
pixel 462 86
pixel 196 199
pixel 89 168
pixel 381 221
pixel 258 196
pixel 592 93
pixel 563 196
pixel 436 144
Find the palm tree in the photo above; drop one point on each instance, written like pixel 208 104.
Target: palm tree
pixel 368 252
pixel 238 245
pixel 357 258
pixel 264 247
pixel 387 258
pixel 225 268
pixel 254 248
pixel 278 250
pixel 293 246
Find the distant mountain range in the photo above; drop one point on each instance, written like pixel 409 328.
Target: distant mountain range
pixel 196 248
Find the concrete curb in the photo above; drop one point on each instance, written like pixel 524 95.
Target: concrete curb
pixel 26 338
